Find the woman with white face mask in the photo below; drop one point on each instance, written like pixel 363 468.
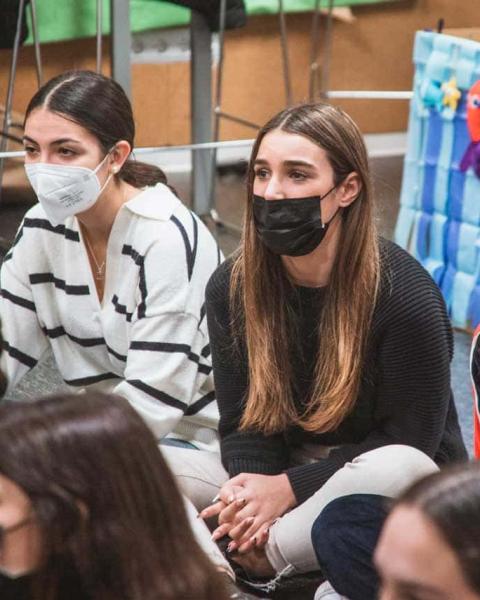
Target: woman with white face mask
pixel 109 268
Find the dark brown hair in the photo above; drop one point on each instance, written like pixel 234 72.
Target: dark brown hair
pixel 450 499
pixel 3 377
pixel 261 286
pixel 105 501
pixel 100 105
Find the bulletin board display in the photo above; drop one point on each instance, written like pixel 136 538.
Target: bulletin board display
pixel 439 219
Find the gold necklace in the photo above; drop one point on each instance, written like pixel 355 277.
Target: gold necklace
pixel 99 275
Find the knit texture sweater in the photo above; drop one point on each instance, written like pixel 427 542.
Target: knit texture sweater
pixel 147 340
pixel 404 396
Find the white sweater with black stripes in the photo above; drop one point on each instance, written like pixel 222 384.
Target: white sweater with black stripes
pixel 148 339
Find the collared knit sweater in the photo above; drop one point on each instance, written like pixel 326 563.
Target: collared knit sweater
pixel 404 398
pixel 148 339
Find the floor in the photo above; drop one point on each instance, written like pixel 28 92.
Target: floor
pixel 230 197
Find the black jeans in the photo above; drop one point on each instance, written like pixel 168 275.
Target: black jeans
pixel 344 537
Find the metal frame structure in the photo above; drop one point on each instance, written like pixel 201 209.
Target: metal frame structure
pixel 205 116
pixel 7 121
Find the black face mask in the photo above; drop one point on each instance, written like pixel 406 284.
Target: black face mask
pixel 292 227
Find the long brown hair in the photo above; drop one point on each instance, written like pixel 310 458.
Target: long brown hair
pixel 112 521
pixel 260 285
pixel 100 105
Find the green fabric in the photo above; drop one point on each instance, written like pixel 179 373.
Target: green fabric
pixel 71 19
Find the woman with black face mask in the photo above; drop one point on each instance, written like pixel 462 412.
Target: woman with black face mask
pixel 331 350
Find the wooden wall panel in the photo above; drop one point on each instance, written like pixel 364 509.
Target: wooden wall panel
pixel 373 52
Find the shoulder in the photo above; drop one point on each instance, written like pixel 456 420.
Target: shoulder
pixel 35 212
pixel 164 219
pixel 401 273
pixel 407 291
pixel 36 221
pixel 218 287
pixel 154 203
pixel 38 235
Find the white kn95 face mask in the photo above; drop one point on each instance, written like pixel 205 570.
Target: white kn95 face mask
pixel 64 190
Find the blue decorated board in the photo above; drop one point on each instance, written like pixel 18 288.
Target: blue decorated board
pixel 439 219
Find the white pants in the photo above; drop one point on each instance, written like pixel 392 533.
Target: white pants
pixel 204 540
pixel 386 471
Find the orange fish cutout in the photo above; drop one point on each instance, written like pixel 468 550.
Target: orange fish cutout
pixel 471 158
pixel 473 111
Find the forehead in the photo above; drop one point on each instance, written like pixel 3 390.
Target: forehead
pixel 45 126
pixel 279 145
pixel 11 493
pixel 411 549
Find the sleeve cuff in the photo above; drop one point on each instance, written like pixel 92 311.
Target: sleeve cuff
pixel 239 465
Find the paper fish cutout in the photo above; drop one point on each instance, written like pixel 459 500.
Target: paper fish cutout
pixel 451 94
pixel 431 94
pixel 471 158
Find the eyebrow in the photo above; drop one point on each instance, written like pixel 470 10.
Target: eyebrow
pixel 26 138
pixel 288 163
pixel 420 587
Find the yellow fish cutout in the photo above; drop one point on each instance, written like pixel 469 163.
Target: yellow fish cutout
pixel 451 93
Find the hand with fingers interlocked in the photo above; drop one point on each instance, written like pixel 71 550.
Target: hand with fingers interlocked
pixel 247 506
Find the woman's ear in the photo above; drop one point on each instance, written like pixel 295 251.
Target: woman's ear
pixel 119 155
pixel 349 189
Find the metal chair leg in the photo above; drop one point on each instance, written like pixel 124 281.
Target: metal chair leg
pixel 11 81
pixel 315 49
pixel 327 51
pixel 217 111
pixel 36 42
pixel 285 57
pixel 99 34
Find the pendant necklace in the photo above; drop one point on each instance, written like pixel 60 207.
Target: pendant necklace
pixel 99 271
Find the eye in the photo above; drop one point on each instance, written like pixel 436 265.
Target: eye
pixel 30 150
pixel 475 101
pixel 66 152
pixel 298 175
pixel 261 173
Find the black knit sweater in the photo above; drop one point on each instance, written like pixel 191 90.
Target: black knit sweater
pixel 404 398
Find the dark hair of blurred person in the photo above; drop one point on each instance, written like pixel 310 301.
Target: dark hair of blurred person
pixel 430 543
pixel 89 509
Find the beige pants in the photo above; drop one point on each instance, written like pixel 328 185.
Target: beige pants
pixel 204 540
pixel 386 471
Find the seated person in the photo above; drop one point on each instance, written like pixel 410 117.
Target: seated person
pixel 89 509
pixel 475 373
pixel 429 547
pixel 330 347
pixel 109 269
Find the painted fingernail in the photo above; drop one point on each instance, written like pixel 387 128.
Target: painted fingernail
pixel 231 547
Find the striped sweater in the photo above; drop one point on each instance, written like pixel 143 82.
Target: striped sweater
pixel 148 339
